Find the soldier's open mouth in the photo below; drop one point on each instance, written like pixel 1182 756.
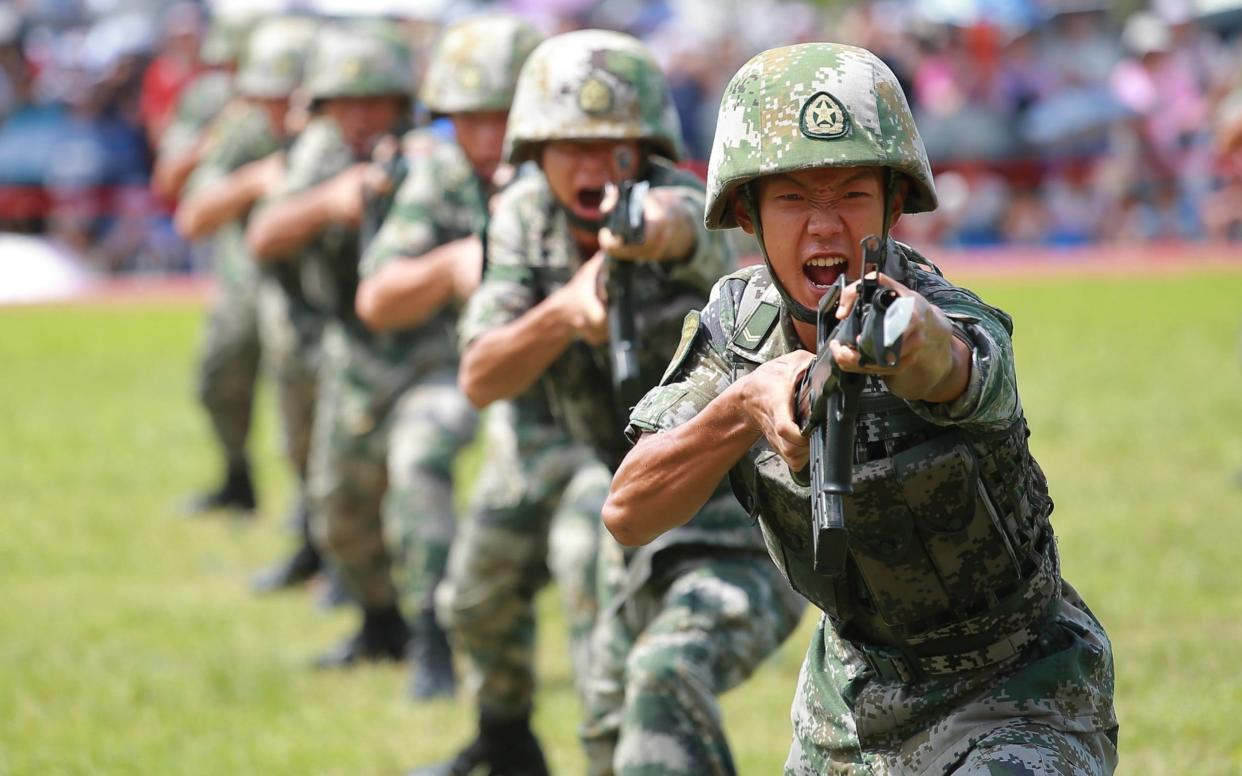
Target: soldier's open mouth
pixel 823 271
pixel 589 200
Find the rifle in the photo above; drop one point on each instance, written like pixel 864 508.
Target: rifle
pixel 377 199
pixel 626 222
pixel 828 396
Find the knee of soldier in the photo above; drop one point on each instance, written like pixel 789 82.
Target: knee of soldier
pixel 415 458
pixel 572 547
pixel 664 670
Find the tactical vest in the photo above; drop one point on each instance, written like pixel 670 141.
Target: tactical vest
pixel 951 562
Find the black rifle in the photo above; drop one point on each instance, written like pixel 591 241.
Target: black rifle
pixel 627 223
pixel 376 202
pixel 828 396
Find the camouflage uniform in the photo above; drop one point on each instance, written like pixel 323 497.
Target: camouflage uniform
pixel 229 356
pixel 695 613
pixel 197 105
pixel 440 200
pixel 950 643
pixel 533 481
pixel 372 432
pixel 289 328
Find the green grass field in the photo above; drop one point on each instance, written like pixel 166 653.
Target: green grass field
pixel 129 643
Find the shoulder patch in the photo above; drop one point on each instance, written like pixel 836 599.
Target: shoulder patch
pixel 751 334
pixel 689 333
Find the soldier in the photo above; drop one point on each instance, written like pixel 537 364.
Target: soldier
pixel 535 489
pixel 470 80
pixel 182 142
pixel 244 161
pixel 360 80
pixel 694 614
pixel 949 641
pixel 229 361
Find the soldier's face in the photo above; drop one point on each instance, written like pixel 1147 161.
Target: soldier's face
pixel 813 221
pixel 363 120
pixel 481 136
pixel 578 169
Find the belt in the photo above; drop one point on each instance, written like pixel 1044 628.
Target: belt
pixel 894 665
pixel 891 663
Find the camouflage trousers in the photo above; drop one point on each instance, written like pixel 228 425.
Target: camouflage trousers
pixel 291 337
pixel 535 509
pixel 705 619
pixel 1048 713
pixel 381 482
pixel 229 363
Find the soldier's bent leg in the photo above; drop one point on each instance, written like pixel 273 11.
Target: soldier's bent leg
pixel 717 620
pixel 1029 748
pixel 228 369
pixel 291 353
pixel 573 547
pixel 496 565
pixel 431 424
pixel 347 478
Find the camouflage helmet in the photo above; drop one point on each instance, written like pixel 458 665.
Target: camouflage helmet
pixel 272 67
pixel 476 63
pixel 813 105
pixel 588 85
pixel 358 60
pixel 224 41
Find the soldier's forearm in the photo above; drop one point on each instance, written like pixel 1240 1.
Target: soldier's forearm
pixel 667 477
pixel 936 381
pixel 171 173
pixel 505 361
pixel 217 204
pixel 277 232
pixel 406 292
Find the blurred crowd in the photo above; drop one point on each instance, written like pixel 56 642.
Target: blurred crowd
pixel 1048 123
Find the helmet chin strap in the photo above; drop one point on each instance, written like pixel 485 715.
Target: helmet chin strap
pixel 799 311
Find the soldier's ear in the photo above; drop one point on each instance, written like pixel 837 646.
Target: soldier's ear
pixel 898 205
pixel 741 215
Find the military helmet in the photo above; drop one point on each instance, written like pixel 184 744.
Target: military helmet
pixel 358 60
pixel 813 105
pixel 476 63
pixel 225 40
pixel 274 57
pixel 589 85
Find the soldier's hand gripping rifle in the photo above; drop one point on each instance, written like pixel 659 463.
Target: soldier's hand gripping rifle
pixel 626 221
pixel 390 167
pixel 828 397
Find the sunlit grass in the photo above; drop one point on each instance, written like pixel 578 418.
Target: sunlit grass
pixel 130 644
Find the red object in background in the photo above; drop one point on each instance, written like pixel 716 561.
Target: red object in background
pixel 166 76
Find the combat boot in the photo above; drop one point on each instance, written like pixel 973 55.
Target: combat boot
pixel 304 564
pixel 504 747
pixel 299 567
pixel 431 661
pixel 236 493
pixel 383 636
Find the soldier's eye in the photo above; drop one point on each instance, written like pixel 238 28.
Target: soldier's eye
pixel 857 194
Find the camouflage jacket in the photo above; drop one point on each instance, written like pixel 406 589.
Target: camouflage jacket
pixel 440 200
pixel 198 104
pixel 950 543
pixel 381 364
pixel 530 254
pixel 241 134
